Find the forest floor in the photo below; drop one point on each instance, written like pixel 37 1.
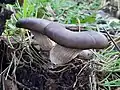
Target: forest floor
pixel 25 67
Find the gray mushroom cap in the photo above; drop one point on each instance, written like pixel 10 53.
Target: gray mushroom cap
pixel 33 24
pixel 59 34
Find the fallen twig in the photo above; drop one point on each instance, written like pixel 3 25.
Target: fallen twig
pixel 112 39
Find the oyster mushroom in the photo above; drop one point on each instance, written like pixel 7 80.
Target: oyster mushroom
pixel 70 43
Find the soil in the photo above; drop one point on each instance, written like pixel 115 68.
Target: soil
pixel 40 74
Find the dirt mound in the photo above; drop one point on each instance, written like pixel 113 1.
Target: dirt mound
pixel 38 73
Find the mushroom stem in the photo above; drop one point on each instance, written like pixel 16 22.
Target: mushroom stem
pixel 62 55
pixel 43 41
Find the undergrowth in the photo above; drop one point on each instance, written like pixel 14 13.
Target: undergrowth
pixel 81 13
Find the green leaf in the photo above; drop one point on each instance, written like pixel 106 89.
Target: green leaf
pixel 112 83
pixel 88 19
pixel 40 12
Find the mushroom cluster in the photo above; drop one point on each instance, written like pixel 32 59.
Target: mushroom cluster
pixel 68 43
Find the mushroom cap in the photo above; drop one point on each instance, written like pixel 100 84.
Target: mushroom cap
pixel 59 34
pixel 76 40
pixel 37 30
pixel 33 24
